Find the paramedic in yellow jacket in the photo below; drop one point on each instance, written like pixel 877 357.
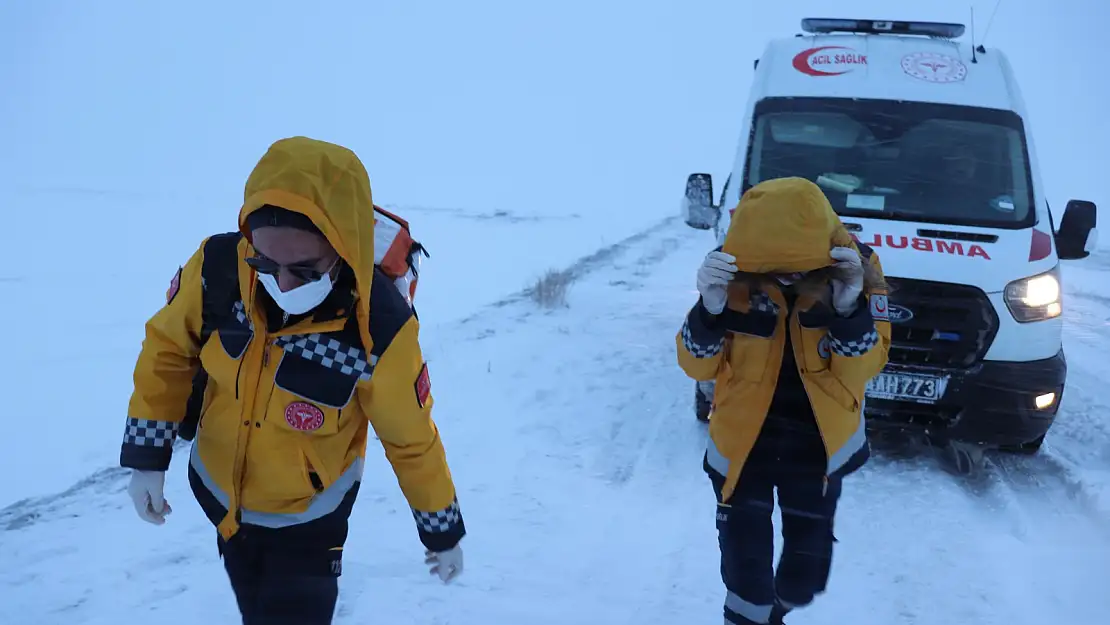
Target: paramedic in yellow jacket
pixel 791 323
pixel 306 344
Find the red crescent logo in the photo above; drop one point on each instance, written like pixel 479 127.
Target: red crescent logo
pixel 304 416
pixel 879 306
pixel 801 61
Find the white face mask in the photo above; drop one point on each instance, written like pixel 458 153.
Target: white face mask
pixel 301 299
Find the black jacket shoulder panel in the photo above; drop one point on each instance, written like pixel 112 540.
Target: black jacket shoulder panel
pixel 221 261
pixel 220 279
pixel 389 311
pixel 222 246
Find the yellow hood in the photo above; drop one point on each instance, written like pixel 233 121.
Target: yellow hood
pixel 328 184
pixel 784 225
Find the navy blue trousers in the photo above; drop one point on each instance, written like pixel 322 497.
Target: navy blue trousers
pixel 280 580
pixel 807 501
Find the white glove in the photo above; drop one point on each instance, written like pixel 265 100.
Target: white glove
pixel 145 490
pixel 715 273
pixel 847 280
pixel 447 564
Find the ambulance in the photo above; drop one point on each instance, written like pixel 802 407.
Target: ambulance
pixel 924 147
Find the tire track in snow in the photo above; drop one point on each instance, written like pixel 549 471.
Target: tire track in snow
pixel 652 446
pixel 554 384
pixel 1017 485
pixel 1078 445
pixel 630 436
pixel 1035 484
pixel 957 548
pixel 100 489
pixel 25 512
pixel 609 418
pixel 69 503
pixel 584 266
pixel 101 495
pixel 591 514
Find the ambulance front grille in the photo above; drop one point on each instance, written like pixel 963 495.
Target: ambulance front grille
pixel 949 325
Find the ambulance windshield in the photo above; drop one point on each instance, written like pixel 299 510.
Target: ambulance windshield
pixel 888 159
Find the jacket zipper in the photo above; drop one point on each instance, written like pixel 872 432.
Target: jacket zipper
pixel 238 468
pixel 802 373
pixel 239 370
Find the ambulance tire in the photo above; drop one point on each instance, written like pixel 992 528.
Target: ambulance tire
pixel 964 459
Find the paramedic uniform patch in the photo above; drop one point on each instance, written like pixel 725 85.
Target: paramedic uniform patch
pixel 175 286
pixel 423 386
pixel 823 348
pixel 879 309
pixel 304 416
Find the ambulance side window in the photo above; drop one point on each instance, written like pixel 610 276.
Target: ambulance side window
pixel 724 191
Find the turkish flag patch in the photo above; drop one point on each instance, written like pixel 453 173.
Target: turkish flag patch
pixel 175 286
pixel 423 386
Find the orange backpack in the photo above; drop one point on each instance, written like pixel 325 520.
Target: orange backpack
pixel 396 252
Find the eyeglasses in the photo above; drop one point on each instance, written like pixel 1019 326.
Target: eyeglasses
pixel 305 270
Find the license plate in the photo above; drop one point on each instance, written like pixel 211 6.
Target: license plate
pixel 915 387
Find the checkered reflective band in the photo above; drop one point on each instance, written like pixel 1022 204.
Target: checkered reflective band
pixel 438 522
pixel 149 433
pixel 331 353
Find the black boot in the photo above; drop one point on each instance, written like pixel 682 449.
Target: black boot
pixel 777 614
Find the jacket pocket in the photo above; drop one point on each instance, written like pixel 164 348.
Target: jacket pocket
pixel 816 352
pixel 748 356
pixel 308 396
pixel 832 388
pixel 300 416
pixel 319 370
pixel 314 464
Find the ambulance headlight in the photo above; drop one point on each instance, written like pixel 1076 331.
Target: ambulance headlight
pixel 1036 298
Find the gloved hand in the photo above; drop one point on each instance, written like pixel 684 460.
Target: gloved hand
pixel 713 277
pixel 145 490
pixel 847 280
pixel 447 564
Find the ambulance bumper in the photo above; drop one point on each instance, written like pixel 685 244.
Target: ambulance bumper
pixel 996 404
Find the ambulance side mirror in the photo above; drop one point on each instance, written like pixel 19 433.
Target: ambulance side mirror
pixel 1078 233
pixel 697 207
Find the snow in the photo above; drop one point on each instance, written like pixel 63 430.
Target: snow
pixel 130 127
pixel 477 257
pixel 607 105
pixel 570 434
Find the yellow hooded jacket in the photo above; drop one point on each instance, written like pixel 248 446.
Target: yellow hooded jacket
pixel 283 431
pixel 785 225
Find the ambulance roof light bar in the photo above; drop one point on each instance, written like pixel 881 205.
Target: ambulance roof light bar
pixel 820 25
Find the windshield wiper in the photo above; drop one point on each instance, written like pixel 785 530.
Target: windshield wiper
pixel 883 214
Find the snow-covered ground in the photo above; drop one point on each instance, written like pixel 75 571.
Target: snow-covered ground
pixel 95 311
pixel 518 137
pixel 1080 438
pixel 571 437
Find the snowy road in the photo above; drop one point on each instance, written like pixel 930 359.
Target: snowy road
pixel 572 440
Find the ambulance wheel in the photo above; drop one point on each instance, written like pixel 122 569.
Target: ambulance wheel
pixel 965 459
pixel 702 404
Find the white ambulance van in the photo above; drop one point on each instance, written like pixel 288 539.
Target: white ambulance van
pixel 923 145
